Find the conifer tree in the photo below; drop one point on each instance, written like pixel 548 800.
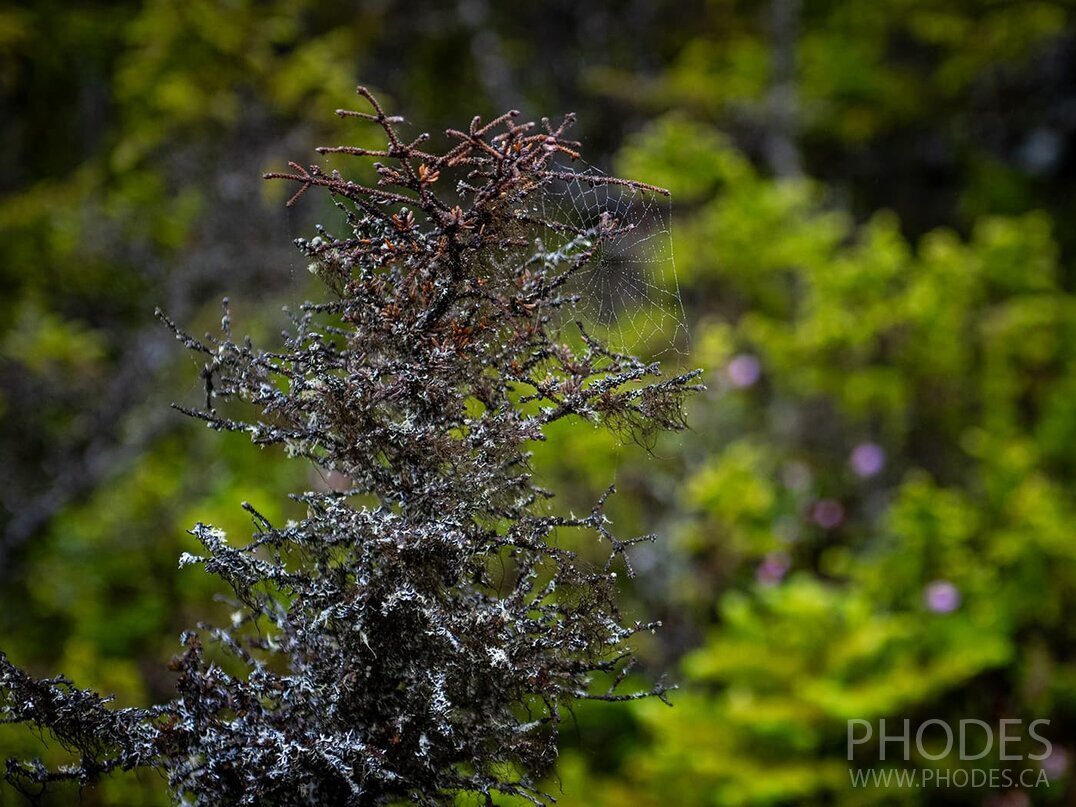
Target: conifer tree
pixel 421 633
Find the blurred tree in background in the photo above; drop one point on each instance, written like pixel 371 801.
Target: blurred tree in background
pixel 873 235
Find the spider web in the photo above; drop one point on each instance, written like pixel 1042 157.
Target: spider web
pixel 627 294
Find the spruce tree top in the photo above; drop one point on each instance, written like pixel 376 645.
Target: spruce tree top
pixel 421 633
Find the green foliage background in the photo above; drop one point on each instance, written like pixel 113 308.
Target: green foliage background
pixel 905 281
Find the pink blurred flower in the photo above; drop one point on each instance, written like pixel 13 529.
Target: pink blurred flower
pixel 827 513
pixel 744 370
pixel 942 597
pixel 867 460
pixel 772 568
pixel 1056 764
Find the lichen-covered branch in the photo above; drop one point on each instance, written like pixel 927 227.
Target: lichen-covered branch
pixel 422 633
